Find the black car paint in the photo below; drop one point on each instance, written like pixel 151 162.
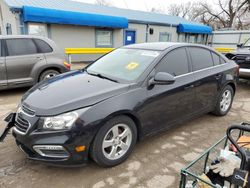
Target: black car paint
pixel 242 57
pixel 154 109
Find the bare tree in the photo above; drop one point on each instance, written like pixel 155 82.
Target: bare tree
pixel 229 12
pixel 104 2
pixel 180 10
pixel 158 9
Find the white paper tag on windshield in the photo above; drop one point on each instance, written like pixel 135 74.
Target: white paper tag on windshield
pixel 150 53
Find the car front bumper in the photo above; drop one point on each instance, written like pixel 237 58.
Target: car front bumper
pixel 53 148
pixel 244 73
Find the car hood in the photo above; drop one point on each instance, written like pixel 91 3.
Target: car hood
pixel 70 91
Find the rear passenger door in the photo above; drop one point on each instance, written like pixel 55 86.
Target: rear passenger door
pixel 3 77
pixel 205 78
pixel 22 56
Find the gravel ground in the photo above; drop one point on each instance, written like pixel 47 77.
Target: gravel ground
pixel 155 162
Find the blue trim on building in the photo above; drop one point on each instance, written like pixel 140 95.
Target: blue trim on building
pixel 44 15
pixel 196 29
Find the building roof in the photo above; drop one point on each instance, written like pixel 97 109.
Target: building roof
pixel 132 15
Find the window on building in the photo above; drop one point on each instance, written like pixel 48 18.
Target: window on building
pixel 181 37
pixel 20 47
pixel 104 38
pixel 201 58
pixel 37 29
pixel 164 37
pixel 43 47
pixel 200 39
pixel 192 38
pixel 175 62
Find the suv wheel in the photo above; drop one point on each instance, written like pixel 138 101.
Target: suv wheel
pixel 48 74
pixel 114 141
pixel 225 101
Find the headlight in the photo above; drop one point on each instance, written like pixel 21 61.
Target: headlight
pixel 63 121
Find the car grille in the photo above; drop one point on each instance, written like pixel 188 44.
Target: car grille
pixel 28 111
pixel 21 124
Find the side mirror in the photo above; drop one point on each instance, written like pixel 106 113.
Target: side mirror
pixel 162 78
pixel 240 45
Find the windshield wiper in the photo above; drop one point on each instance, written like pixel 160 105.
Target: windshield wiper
pixel 101 76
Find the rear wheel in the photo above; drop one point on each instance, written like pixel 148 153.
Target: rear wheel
pixel 225 101
pixel 114 141
pixel 48 74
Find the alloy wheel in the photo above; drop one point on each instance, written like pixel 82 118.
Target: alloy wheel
pixel 117 141
pixel 226 100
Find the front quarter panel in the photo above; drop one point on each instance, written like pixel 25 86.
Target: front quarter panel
pixel 128 103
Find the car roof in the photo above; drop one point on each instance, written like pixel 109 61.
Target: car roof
pixel 161 46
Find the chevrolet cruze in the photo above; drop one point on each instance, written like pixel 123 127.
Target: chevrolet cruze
pixel 135 91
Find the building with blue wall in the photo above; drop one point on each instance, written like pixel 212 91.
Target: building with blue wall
pixel 75 24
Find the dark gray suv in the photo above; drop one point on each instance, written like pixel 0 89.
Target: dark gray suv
pixel 26 60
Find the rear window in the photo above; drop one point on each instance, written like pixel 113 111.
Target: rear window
pixel 20 47
pixel 216 59
pixel 43 47
pixel 201 58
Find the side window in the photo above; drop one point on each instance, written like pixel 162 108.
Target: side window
pixel 216 59
pixel 20 47
pixel 175 62
pixel 43 47
pixel 201 58
pixel 222 61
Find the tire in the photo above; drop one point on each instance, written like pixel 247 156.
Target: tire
pixel 121 147
pixel 222 108
pixel 48 74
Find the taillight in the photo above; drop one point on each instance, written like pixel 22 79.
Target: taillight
pixel 67 65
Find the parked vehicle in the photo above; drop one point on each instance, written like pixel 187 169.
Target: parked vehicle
pixel 128 94
pixel 26 60
pixel 242 57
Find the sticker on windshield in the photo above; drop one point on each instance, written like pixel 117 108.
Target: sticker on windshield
pixel 150 53
pixel 132 66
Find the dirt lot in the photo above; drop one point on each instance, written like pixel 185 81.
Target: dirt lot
pixel 155 162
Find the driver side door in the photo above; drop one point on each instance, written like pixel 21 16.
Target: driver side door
pixel 167 105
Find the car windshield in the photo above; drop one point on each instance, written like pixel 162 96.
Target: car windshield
pixel 247 43
pixel 123 64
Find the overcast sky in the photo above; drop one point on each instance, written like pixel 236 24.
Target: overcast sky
pixel 144 5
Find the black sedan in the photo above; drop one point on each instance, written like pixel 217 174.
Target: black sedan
pixel 242 57
pixel 129 94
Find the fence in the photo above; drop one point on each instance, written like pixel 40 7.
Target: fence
pixel 71 51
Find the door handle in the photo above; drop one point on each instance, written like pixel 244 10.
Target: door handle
pixel 218 76
pixel 189 87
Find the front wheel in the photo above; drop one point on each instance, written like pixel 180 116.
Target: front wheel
pixel 225 101
pixel 114 141
pixel 48 74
